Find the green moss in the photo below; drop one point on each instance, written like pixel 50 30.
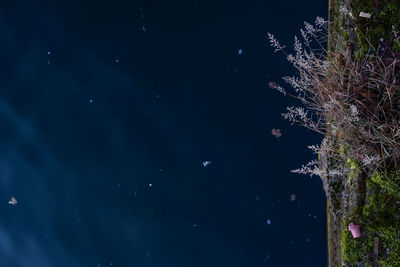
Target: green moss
pixel 389 237
pixel 388 182
pixel 396 46
pixel 355 168
pixel 379 217
pixel 356 251
pixel 379 210
pixel 380 24
pixel 346 35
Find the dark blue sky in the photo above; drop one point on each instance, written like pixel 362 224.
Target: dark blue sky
pixel 109 108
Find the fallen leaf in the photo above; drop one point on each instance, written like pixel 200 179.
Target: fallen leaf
pixel 276 132
pixel 13 201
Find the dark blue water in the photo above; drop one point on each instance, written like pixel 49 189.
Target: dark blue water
pixel 108 110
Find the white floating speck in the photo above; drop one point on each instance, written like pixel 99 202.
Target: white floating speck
pixel 206 163
pixel 267 257
pixel 49 53
pixel 269 222
pixel 91 100
pixel 240 51
pixel 365 15
pixel 116 60
pixel 150 185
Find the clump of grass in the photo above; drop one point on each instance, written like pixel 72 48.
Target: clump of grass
pixel 355 100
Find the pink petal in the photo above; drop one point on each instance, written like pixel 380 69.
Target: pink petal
pixel 355 230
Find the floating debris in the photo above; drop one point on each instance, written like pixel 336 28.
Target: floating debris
pixel 365 15
pixel 355 230
pixel 13 201
pixel 276 132
pixel 206 163
pixel 292 197
pixel 272 85
pixel 268 221
pixel 267 257
pixel 150 185
pixel 240 51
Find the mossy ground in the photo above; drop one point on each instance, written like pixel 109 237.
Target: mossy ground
pixel 369 31
pixel 378 217
pixel 377 198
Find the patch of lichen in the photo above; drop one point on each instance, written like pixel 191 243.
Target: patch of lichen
pixel 354 168
pixel 378 217
pixel 380 24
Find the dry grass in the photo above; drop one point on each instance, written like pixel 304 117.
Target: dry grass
pixel 355 100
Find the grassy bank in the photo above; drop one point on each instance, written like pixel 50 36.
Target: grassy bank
pixel 376 197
